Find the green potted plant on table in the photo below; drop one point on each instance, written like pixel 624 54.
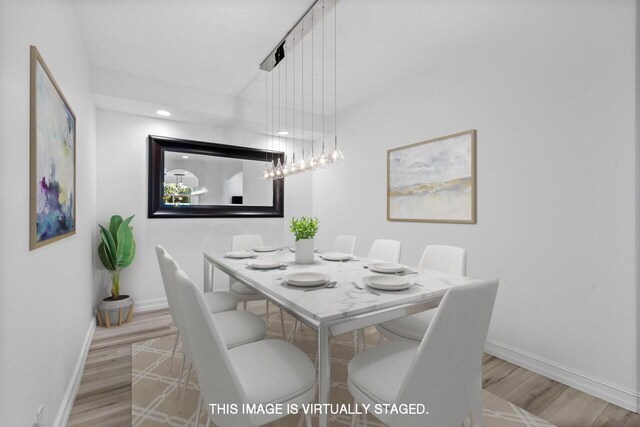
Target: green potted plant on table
pixel 304 229
pixel 116 252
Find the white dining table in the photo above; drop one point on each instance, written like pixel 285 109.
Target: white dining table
pixel 334 311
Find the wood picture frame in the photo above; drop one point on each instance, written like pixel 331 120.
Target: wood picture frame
pixel 52 158
pixel 428 182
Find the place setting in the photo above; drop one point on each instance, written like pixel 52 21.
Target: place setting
pixel 309 281
pixel 392 283
pixel 390 268
pixel 240 255
pixel 337 257
pixel 267 264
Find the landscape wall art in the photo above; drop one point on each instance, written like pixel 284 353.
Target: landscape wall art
pixel 52 158
pixel 433 181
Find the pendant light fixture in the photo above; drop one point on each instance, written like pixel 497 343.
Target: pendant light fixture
pixel 336 155
pixel 288 164
pixel 323 160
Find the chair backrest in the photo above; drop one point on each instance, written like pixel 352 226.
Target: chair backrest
pixel 245 242
pixel 447 369
pixel 447 259
pixel 344 244
pixel 385 250
pixel 217 378
pixel 161 253
pixel 176 307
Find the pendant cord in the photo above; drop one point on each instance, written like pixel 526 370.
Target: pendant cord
pixel 312 83
pixel 302 139
pixel 266 118
pixel 322 76
pixel 335 73
pixel 286 106
pixel 294 97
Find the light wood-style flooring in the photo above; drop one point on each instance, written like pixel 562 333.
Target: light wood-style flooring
pixel 104 397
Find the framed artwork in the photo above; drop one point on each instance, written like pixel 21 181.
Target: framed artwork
pixel 433 181
pixel 52 202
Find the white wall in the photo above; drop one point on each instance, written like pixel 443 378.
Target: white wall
pixel 553 103
pixel 46 295
pixel 122 189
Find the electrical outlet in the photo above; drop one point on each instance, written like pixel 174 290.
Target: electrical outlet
pixel 39 422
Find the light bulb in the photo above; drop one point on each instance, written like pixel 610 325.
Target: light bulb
pixel 312 162
pixel 337 155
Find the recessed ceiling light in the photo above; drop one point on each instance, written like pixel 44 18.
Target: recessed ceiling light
pixel 164 113
pixel 185 157
pixel 283 132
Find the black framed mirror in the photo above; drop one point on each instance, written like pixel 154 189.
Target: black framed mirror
pixel 190 179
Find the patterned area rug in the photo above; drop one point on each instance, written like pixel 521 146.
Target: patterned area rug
pixel 156 400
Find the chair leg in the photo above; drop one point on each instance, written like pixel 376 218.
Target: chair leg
pixel 184 390
pixel 475 417
pixel 244 305
pixel 295 329
pixel 208 419
pixel 307 419
pixel 267 317
pixel 284 335
pixel 354 336
pixel 173 352
pixel 198 412
pixel 179 379
pixel 354 416
pixel 379 338
pixel 362 345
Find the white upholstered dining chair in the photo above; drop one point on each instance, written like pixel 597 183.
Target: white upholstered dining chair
pixel 237 327
pixel 446 259
pixel 443 372
pixel 344 244
pixel 263 372
pixel 245 242
pixel 385 250
pixel 218 301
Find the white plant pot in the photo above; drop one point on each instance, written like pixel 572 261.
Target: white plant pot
pixel 304 251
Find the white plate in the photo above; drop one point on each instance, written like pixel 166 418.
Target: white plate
pixel 239 254
pixel 264 249
pixel 336 256
pixel 386 283
pixel 266 264
pixel 306 279
pixel 386 267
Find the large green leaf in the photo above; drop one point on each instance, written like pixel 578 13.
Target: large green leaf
pixel 126 262
pixel 126 243
pixel 105 258
pixel 114 224
pixel 110 244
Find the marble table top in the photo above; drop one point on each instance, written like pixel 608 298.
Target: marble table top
pixel 342 301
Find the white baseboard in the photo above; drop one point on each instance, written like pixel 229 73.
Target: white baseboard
pixel 62 417
pixel 151 304
pixel 612 393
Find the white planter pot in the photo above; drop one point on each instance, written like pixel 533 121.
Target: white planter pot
pixel 304 251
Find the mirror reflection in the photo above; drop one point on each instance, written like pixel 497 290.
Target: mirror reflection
pixel 196 179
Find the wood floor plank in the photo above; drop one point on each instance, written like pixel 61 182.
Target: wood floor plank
pixel 615 416
pixel 535 393
pixel 104 395
pixel 574 408
pixel 500 377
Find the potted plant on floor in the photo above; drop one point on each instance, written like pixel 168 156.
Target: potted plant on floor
pixel 116 251
pixel 304 229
